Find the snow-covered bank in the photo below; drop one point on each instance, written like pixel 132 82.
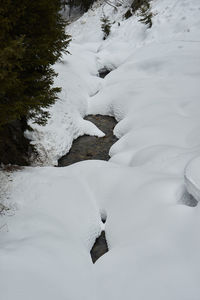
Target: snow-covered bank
pixel 153 239
pixel 76 75
pixel 192 178
pixel 45 252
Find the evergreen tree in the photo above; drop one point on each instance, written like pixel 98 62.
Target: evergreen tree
pixel 84 4
pixel 11 59
pixel 145 14
pixel 32 38
pixel 105 26
pixel 137 4
pixel 142 9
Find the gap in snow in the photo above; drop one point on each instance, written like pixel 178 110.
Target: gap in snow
pixel 103 216
pixel 100 246
pixel 104 72
pixel 91 147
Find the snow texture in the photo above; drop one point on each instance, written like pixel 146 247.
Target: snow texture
pixel 153 237
pixel 192 178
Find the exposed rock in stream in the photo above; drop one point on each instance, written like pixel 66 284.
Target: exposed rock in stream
pixel 91 147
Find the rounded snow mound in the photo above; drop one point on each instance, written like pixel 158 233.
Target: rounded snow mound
pixel 192 178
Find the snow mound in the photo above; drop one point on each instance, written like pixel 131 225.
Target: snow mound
pixel 192 178
pixel 152 229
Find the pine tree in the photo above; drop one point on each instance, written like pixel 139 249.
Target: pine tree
pixel 145 14
pixel 142 9
pixel 105 26
pixel 137 4
pixel 32 38
pixel 11 58
pixel 84 4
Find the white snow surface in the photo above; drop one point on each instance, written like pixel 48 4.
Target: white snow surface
pixel 192 178
pixel 153 238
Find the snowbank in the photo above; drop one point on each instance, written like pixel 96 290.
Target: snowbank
pixel 153 92
pixel 192 178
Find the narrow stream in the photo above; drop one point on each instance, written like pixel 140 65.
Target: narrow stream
pixel 91 147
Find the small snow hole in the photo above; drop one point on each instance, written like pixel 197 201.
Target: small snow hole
pixel 103 216
pixel 104 72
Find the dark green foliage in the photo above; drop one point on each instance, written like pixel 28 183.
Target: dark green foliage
pixel 14 147
pixel 142 8
pixel 145 14
pixel 128 14
pixel 137 4
pixel 84 4
pixel 32 38
pixel 105 26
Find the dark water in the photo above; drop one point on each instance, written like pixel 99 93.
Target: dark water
pixel 91 147
pixel 104 72
pixel 100 247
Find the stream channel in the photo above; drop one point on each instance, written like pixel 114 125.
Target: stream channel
pixel 90 147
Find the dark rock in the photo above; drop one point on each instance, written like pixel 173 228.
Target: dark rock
pixel 100 247
pixel 91 147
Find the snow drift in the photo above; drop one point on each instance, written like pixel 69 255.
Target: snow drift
pixel 153 92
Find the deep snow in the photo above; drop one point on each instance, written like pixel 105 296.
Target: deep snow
pixel 153 92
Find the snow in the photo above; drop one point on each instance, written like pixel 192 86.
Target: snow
pixel 153 237
pixel 46 251
pixel 192 178
pixel 78 81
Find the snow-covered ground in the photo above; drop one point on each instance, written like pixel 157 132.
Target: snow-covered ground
pixel 153 92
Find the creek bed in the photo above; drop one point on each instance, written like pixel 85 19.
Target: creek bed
pixel 90 147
